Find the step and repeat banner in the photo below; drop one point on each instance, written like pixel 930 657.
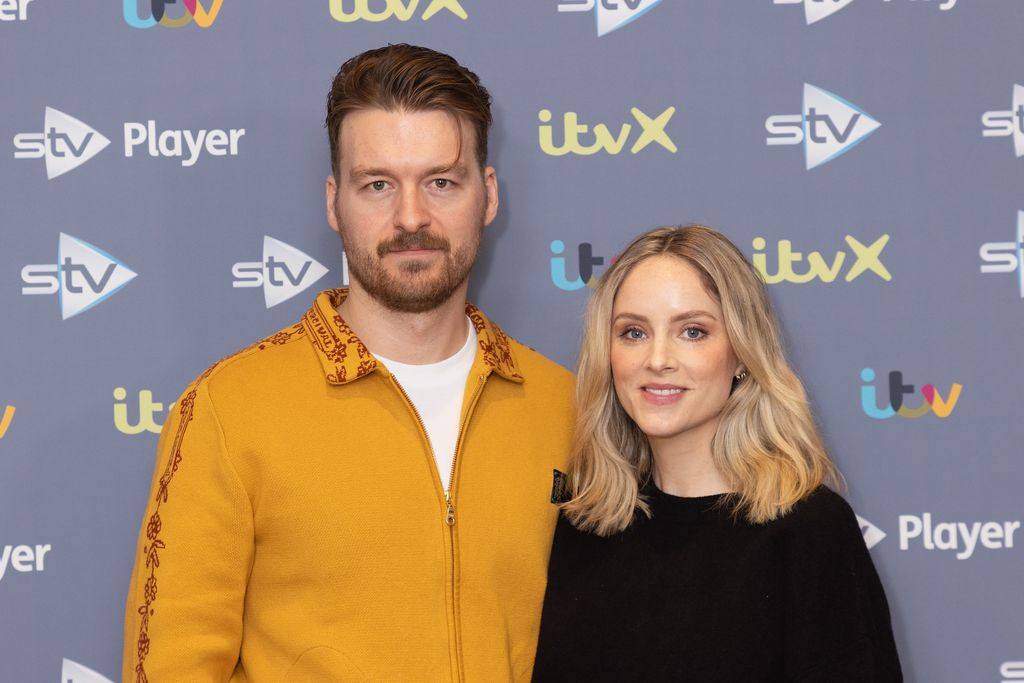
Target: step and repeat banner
pixel 161 205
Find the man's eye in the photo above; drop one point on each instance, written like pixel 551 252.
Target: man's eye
pixel 441 183
pixel 378 185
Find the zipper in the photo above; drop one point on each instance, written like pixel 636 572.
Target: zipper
pixel 449 501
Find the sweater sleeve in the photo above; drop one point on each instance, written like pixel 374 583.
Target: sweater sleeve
pixel 837 623
pixel 183 618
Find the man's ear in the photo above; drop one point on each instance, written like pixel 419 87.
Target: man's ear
pixel 331 197
pixel 491 189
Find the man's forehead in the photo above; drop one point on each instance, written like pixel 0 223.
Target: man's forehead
pixel 377 136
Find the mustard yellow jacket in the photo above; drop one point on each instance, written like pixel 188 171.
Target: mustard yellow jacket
pixel 298 530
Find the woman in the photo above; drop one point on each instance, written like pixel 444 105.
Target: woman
pixel 698 541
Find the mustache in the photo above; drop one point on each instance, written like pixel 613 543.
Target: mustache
pixel 413 240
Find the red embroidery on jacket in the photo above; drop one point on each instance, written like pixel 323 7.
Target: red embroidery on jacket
pixel 151 551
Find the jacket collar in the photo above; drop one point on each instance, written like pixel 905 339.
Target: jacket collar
pixel 345 358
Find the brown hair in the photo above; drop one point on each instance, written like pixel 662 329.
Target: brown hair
pixel 412 78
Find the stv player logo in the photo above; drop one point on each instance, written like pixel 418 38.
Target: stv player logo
pixel 611 14
pixel 84 276
pixel 194 11
pixel 284 272
pixel 66 143
pixel 829 126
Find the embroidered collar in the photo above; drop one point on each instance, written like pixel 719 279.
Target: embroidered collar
pixel 345 358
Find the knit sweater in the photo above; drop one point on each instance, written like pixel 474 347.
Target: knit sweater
pixel 297 528
pixel 693 594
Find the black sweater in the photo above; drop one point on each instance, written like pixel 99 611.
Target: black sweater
pixel 692 595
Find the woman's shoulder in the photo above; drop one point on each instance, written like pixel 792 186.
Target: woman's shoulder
pixel 823 520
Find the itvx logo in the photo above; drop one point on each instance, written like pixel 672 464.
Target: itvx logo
pixel 932 400
pixel 867 258
pixel 284 271
pixel 652 129
pixel 146 415
pixel 829 126
pixel 1006 257
pixel 402 10
pixel 83 276
pixel 66 143
pixel 1007 123
pixel 816 10
pixel 610 14
pixel 193 11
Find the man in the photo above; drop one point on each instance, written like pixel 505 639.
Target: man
pixel 365 495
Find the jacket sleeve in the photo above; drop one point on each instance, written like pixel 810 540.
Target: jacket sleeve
pixel 183 618
pixel 837 623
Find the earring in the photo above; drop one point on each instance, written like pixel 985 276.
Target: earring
pixel 742 375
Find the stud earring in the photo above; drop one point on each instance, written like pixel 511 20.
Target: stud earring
pixel 742 375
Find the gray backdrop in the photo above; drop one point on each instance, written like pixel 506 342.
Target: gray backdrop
pixel 940 177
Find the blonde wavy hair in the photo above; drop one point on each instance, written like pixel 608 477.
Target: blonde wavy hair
pixel 766 447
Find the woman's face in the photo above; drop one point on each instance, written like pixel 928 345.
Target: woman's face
pixel 672 363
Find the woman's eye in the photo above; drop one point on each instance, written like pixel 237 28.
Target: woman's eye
pixel 693 333
pixel 633 334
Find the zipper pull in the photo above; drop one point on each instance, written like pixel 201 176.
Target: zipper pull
pixel 450 517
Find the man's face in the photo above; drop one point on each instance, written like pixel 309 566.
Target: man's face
pixel 410 202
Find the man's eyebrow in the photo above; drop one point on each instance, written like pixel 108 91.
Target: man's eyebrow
pixel 458 170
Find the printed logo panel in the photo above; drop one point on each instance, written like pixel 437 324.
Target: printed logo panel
pixel 1012 672
pixel 828 127
pixel 66 143
pixel 5 420
pixel 816 10
pixel 150 13
pixel 145 415
pixel 610 15
pixel 872 534
pixel 284 272
pixel 651 130
pixel 23 559
pixel 73 672
pixel 349 11
pixel 932 401
pixel 1006 257
pixel 14 10
pixel 1007 123
pixel 83 276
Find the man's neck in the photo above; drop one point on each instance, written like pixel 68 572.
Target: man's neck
pixel 411 338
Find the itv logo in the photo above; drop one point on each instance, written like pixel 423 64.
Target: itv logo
pixel 284 272
pixel 610 15
pixel 148 410
pixel 83 276
pixel 402 10
pixel 932 400
pixel 194 11
pixel 1007 123
pixel 65 142
pixel 586 262
pixel 828 127
pixel 1006 257
pixel 652 130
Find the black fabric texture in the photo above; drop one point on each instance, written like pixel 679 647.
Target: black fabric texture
pixel 696 594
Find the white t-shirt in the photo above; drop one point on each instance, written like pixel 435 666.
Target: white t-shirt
pixel 436 390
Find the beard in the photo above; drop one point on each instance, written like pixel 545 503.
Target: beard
pixel 417 287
